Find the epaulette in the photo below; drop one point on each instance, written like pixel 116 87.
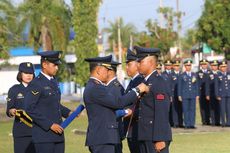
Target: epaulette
pixel 116 83
pixel 96 82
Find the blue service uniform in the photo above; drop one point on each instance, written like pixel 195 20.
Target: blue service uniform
pixel 102 132
pixel 44 107
pixel 214 103
pixel 188 90
pixel 222 90
pixel 133 130
pixel 153 120
pixel 169 79
pixel 118 90
pixel 21 132
pixel 202 77
pixel 177 110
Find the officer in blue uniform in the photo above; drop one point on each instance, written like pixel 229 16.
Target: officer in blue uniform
pixel 167 75
pixel 222 91
pixel 188 94
pixel 177 113
pixel 131 127
pixel 210 94
pixel 44 107
pixel 202 76
pixel 115 87
pixel 102 134
pixel 154 132
pixel 21 132
pixel 159 68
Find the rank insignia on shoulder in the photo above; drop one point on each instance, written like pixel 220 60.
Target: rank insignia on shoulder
pixel 160 96
pixel 35 92
pixel 116 83
pixel 96 82
pixel 8 99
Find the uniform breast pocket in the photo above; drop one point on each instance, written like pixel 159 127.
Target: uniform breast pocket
pixel 47 93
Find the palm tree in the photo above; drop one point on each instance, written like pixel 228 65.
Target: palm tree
pixel 48 23
pixel 127 30
pixel 8 22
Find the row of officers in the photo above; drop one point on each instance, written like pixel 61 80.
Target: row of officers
pixel 209 87
pixel 146 103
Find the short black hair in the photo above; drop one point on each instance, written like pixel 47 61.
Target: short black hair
pixel 19 76
pixel 92 66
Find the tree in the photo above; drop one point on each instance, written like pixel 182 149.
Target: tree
pixel 214 25
pixel 48 23
pixel 85 13
pixel 127 30
pixel 8 22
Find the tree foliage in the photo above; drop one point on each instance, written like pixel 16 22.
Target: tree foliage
pixel 214 25
pixel 48 23
pixel 85 14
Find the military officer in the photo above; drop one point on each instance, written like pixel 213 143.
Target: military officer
pixel 115 87
pixel 102 133
pixel 44 107
pixel 177 114
pixel 202 76
pixel 222 91
pixel 159 68
pixel 21 132
pixel 136 78
pixel 154 132
pixel 210 94
pixel 188 94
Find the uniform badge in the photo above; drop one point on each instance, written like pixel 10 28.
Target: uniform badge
pixel 28 65
pixel 201 75
pixel 220 77
pixel 116 83
pixel 160 96
pixel 193 79
pixel 211 76
pixel 35 93
pixel 20 95
pixel 47 88
pixel 174 78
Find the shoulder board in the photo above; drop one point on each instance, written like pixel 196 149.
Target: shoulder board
pixel 96 82
pixel 116 83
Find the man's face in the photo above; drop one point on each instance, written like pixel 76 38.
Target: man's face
pixel 223 68
pixel 214 67
pixel 131 68
pixel 204 66
pixel 176 68
pixel 50 68
pixel 102 73
pixel 145 65
pixel 188 67
pixel 168 67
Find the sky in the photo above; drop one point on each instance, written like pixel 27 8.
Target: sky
pixel 138 12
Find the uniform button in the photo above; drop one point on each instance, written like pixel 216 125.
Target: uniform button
pixel 112 126
pixel 139 117
pixel 150 122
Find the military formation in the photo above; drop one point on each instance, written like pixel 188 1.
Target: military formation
pixel 143 113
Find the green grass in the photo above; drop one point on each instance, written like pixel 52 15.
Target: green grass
pixel 217 142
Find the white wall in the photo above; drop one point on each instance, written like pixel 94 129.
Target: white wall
pixel 7 80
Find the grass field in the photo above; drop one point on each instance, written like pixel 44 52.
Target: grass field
pixel 206 142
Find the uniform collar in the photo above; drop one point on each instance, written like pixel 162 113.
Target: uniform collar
pixel 134 76
pixel 47 76
pixel 147 77
pixel 24 84
pixel 97 80
pixel 111 81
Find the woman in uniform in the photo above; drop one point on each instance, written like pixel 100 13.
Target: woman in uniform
pixel 22 133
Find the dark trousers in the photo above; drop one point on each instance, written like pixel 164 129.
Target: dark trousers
pixel 118 148
pixel 106 148
pixel 177 112
pixel 133 145
pixel 189 109
pixel 225 111
pixel 23 145
pixel 148 147
pixel 214 111
pixel 204 110
pixel 50 147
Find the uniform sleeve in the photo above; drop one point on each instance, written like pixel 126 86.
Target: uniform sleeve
pixel 197 86
pixel 179 85
pixel 108 99
pixel 65 111
pixel 216 84
pixel 207 86
pixel 31 102
pixel 161 127
pixel 10 101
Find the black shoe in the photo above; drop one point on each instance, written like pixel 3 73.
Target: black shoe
pixel 192 127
